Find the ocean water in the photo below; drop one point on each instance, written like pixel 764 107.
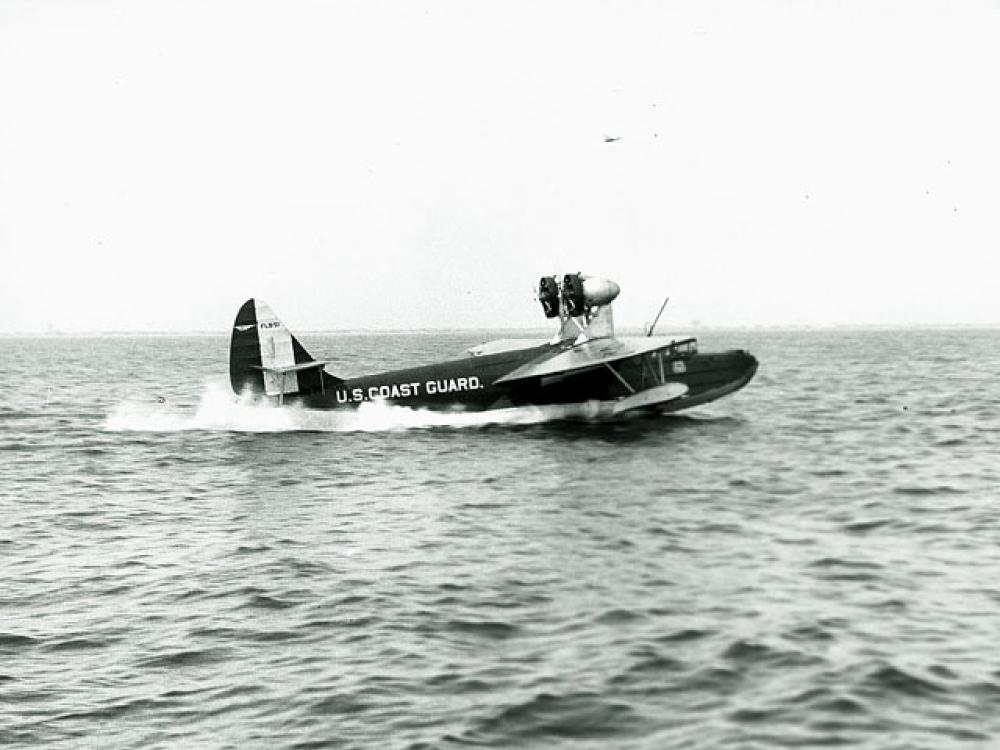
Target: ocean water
pixel 813 561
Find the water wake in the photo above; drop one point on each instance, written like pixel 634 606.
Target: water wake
pixel 219 410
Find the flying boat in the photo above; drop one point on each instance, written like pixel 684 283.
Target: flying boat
pixel 584 364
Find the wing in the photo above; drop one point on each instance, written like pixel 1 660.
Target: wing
pixel 585 356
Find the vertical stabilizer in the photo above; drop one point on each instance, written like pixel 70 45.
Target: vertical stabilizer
pixel 264 357
pixel 245 373
pixel 276 352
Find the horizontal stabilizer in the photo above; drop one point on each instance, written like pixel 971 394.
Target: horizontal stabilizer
pixel 298 367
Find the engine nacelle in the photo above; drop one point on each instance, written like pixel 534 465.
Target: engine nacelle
pixel 576 295
pixel 598 292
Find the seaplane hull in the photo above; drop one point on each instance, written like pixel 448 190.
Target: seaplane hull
pixel 584 364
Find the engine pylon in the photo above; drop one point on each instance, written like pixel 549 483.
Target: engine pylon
pixel 579 297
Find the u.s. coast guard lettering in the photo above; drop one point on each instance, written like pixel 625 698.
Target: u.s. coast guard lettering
pixel 583 364
pixel 391 391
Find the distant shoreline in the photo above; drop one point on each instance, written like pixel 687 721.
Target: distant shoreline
pixel 515 332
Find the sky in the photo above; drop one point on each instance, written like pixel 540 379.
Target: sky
pixel 397 165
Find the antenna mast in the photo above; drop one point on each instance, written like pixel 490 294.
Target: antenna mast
pixel 657 318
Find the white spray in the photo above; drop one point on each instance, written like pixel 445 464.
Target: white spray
pixel 219 410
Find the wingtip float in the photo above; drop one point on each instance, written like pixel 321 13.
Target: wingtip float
pixel 584 363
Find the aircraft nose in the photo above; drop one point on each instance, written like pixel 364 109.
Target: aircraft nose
pixel 749 363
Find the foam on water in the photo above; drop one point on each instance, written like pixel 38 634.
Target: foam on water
pixel 219 410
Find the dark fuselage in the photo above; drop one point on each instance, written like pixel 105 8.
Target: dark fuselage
pixel 469 383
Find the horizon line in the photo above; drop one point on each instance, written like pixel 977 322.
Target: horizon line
pixel 93 333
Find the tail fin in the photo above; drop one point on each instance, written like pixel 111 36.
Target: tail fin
pixel 265 358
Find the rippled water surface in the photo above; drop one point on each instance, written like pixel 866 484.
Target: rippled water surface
pixel 812 561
